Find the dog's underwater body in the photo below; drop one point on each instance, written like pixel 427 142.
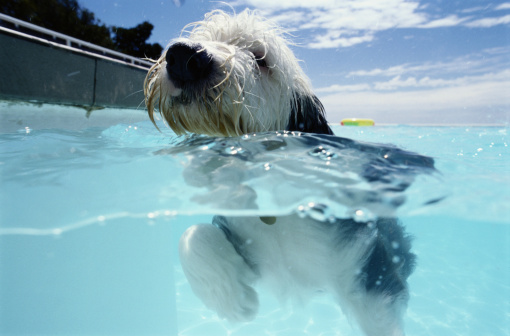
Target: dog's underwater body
pixel 235 75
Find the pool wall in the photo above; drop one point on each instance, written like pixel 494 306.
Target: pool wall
pixel 42 70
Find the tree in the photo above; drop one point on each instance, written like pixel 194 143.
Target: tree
pixel 133 41
pixel 67 17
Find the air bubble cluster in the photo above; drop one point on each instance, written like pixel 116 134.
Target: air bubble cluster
pixel 323 153
pixel 233 150
pixel 317 211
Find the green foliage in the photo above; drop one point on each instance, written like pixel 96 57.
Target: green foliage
pixel 67 17
pixel 132 41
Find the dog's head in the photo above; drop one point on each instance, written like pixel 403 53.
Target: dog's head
pixel 230 76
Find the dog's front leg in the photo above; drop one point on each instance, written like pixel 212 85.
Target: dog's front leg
pixel 218 275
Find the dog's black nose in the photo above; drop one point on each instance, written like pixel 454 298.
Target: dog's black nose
pixel 187 63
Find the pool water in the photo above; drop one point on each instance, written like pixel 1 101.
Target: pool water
pixel 90 219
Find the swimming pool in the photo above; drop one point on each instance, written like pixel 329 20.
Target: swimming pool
pixel 92 210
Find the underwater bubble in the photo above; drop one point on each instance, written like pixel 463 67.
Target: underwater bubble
pixel 301 211
pixel 316 151
pixel 395 259
pixel 317 211
pixel 329 156
pixel 323 153
pixel 233 150
pixel 363 216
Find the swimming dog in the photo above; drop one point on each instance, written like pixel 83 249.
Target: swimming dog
pixel 236 74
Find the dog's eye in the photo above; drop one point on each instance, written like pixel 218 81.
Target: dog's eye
pixel 261 62
pixel 260 59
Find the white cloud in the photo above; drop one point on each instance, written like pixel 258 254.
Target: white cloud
pixel 353 17
pixel 344 88
pixel 503 6
pixel 291 18
pixel 335 39
pixel 335 23
pixel 489 22
pixel 392 71
pixel 467 99
pixel 474 9
pixel 359 20
pixel 398 82
pixel 485 102
pixel 485 61
pixel 449 21
pixel 469 89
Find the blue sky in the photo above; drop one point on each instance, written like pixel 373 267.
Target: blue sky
pixel 396 61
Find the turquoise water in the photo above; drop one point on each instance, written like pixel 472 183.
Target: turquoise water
pixel 90 219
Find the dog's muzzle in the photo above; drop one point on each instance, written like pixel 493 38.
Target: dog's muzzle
pixel 188 64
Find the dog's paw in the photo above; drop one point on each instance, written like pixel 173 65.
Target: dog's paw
pixel 241 306
pixel 217 274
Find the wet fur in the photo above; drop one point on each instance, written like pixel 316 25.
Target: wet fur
pixel 255 84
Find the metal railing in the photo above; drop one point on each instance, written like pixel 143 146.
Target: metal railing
pixel 9 22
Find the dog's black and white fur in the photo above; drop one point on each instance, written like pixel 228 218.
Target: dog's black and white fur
pixel 234 75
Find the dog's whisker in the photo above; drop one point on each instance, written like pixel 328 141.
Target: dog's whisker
pixel 226 71
pixel 222 82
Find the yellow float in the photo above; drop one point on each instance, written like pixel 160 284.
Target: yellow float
pixel 357 122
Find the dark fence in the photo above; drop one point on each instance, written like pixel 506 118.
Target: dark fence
pixel 39 65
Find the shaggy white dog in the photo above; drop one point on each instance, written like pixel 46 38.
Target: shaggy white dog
pixel 234 75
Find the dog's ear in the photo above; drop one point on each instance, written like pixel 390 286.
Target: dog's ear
pixel 307 115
